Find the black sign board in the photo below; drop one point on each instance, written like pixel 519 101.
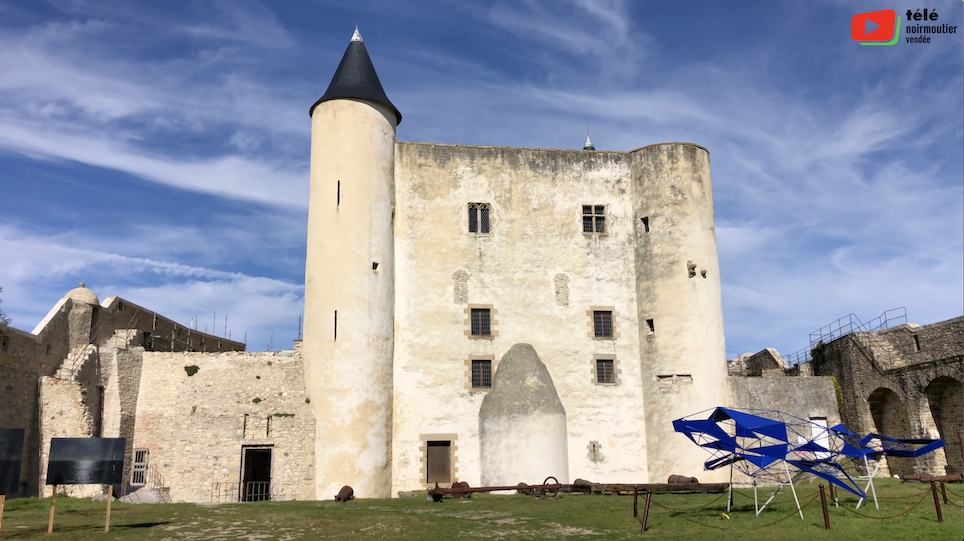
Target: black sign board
pixel 86 461
pixel 11 455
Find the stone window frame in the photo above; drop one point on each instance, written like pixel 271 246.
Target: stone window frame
pixel 592 323
pixel 617 371
pixel 468 372
pixel 493 332
pixel 453 458
pixel 593 215
pixel 478 206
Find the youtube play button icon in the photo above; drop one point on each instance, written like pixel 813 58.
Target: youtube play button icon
pixel 874 25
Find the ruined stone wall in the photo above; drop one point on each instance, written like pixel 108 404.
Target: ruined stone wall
pixel 804 397
pixel 120 365
pixel 892 382
pixel 69 344
pixel 156 332
pixel 196 426
pixel 24 358
pixel 64 413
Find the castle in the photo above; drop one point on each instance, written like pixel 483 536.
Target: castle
pixel 492 315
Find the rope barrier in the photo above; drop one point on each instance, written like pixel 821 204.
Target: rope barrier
pixel 675 514
pixel 693 508
pixel 775 500
pixel 926 494
pixel 792 513
pixel 952 492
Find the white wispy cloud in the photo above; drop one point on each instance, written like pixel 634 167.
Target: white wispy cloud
pixel 40 265
pixel 835 192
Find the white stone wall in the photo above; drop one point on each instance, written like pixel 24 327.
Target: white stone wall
pixel 536 235
pixel 196 426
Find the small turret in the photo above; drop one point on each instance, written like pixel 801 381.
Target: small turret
pixel 588 145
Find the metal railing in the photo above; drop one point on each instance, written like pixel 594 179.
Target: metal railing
pixel 233 491
pixel 225 492
pixel 848 324
pixel 155 481
pixel 256 491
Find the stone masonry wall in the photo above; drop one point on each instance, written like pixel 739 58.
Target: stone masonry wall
pixel 63 414
pixel 24 358
pixel 71 343
pixel 196 426
pixel 804 397
pixel 905 379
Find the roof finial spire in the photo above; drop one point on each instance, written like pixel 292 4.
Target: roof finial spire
pixel 357 35
pixel 588 145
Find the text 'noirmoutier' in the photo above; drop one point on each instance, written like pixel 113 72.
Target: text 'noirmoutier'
pixel 925 29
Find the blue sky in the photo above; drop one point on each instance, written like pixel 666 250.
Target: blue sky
pixel 159 151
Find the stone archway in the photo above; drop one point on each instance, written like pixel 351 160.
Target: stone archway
pixel 944 396
pixel 890 419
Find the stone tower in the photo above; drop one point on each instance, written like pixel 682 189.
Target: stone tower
pixel 349 279
pixel 678 300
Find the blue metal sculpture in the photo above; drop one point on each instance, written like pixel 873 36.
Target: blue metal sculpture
pixel 765 444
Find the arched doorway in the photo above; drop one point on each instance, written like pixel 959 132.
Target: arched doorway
pixel 944 395
pixel 890 419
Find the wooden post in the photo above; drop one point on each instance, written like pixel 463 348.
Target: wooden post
pixel 937 503
pixel 53 503
pixel 110 496
pixel 823 503
pixel 943 494
pixel 3 498
pixel 649 496
pixel 635 504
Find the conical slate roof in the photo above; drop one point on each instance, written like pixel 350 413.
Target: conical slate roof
pixel 588 145
pixel 356 78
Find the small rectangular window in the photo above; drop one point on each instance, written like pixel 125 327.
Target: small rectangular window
pixel 479 217
pixel 604 371
pixel 645 224
pixel 481 319
pixel 602 323
pixel 481 373
pixel 594 219
pixel 651 325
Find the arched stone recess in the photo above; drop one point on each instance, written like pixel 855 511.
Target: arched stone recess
pixel 944 396
pixel 890 419
pixel 460 286
pixel 561 283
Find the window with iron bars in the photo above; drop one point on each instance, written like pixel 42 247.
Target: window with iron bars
pixel 139 467
pixel 481 322
pixel 602 323
pixel 481 373
pixel 605 372
pixel 479 217
pixel 594 218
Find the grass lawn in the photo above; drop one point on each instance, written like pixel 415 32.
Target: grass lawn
pixel 499 517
